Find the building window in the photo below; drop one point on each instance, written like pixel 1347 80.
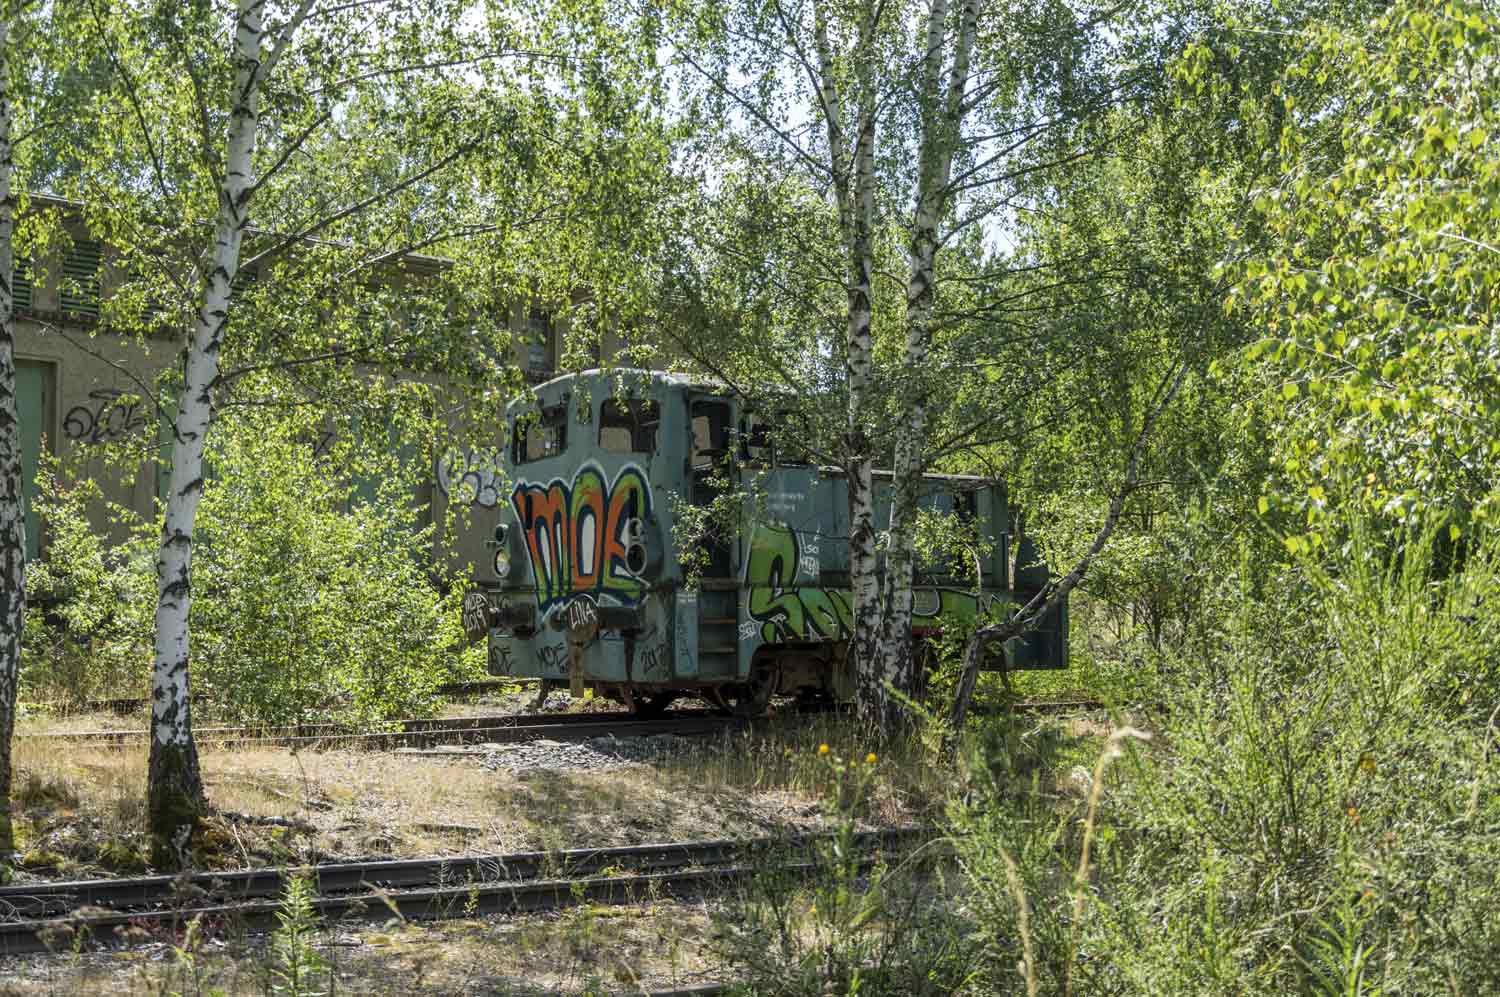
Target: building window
pixel 20 284
pixel 79 291
pixel 628 426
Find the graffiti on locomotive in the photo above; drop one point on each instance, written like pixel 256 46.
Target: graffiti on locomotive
pixel 585 538
pixel 782 607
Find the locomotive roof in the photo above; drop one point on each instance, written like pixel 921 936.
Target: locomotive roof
pixel 548 391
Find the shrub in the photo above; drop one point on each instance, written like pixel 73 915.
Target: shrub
pixel 1318 814
pixel 90 601
pixel 311 593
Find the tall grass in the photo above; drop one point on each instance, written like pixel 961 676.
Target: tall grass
pixel 1318 813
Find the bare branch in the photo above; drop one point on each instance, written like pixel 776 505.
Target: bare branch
pixel 282 42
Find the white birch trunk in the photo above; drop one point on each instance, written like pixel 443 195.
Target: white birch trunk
pixel 942 120
pixel 12 517
pixel 864 580
pixel 175 786
pixel 854 184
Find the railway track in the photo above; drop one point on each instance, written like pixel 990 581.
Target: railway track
pixel 58 916
pixel 449 690
pixel 499 729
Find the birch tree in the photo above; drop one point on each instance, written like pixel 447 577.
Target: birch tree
pixel 927 126
pixel 851 173
pixel 268 173
pixel 36 93
pixel 176 786
pixel 12 514
pixel 940 116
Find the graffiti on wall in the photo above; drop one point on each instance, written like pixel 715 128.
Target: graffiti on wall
pixel 579 534
pixel 108 415
pixel 471 476
pixel 785 610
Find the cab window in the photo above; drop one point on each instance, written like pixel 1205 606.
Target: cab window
pixel 628 425
pixel 710 422
pixel 540 435
pixel 755 441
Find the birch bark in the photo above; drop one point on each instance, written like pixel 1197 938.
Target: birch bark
pixel 12 518
pixel 942 120
pixel 175 790
pixel 854 186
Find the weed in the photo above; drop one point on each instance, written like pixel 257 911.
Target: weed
pixel 296 963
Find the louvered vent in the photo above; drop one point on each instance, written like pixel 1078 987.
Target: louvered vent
pixel 21 284
pixel 80 283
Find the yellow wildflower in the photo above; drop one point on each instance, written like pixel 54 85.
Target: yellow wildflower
pixel 822 749
pixel 870 759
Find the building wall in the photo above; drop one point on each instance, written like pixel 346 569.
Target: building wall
pixel 84 387
pixel 95 390
pixel 98 391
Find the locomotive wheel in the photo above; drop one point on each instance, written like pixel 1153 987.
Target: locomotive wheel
pixel 653 704
pixel 754 697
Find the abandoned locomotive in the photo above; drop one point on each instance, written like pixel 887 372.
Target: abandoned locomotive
pixel 592 583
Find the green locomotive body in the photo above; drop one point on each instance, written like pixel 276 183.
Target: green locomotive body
pixel 586 586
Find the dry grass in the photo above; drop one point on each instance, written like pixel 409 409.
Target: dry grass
pixel 35 720
pixel 606 949
pixel 81 808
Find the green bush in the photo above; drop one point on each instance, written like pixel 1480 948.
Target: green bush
pixel 90 601
pixel 1317 813
pixel 311 591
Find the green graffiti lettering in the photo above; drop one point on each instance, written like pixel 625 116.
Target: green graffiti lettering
pixel 787 611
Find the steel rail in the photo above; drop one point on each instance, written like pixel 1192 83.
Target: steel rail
pixel 498 729
pixel 415 889
pixel 455 689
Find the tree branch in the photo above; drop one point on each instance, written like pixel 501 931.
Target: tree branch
pixel 1051 595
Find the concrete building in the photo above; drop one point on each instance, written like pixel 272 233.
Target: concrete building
pixel 80 386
